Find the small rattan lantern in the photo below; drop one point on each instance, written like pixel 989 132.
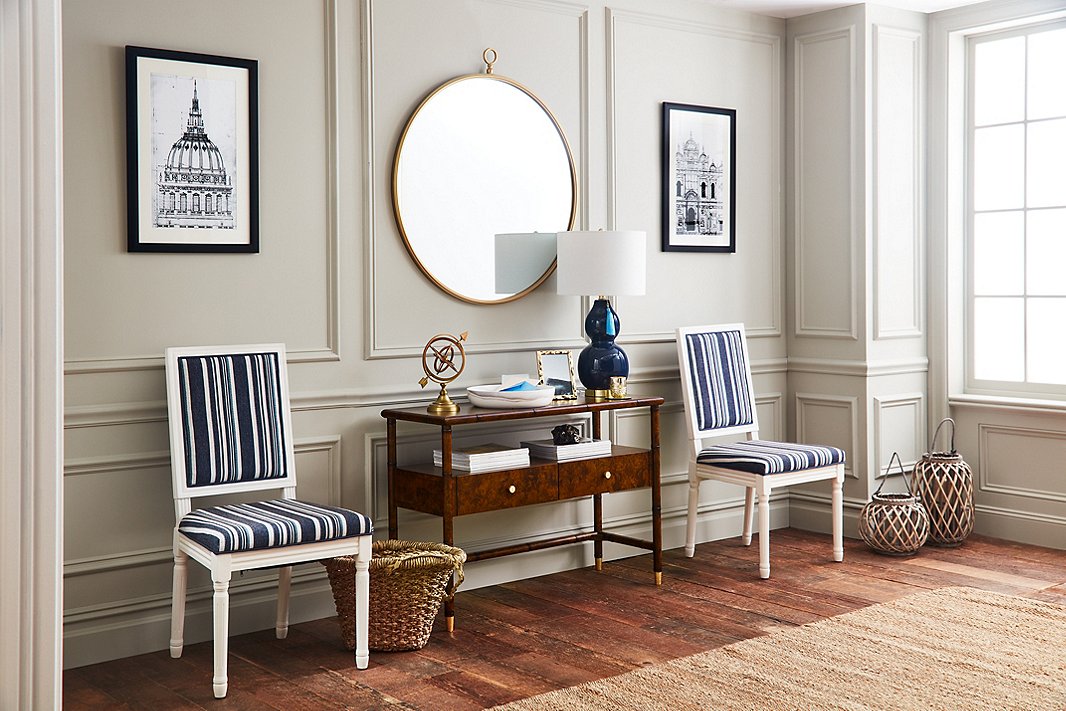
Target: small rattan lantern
pixel 894 524
pixel 944 483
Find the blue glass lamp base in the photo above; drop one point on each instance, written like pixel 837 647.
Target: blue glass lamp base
pixel 601 359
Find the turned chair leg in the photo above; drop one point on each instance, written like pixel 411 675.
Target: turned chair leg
pixel 281 627
pixel 690 524
pixel 838 516
pixel 764 534
pixel 749 510
pixel 220 583
pixel 362 604
pixel 177 605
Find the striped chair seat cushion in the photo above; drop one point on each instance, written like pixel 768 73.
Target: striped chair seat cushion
pixel 763 457
pixel 270 524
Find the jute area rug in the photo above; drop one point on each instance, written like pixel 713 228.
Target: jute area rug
pixel 953 648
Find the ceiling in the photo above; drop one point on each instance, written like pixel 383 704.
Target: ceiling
pixel 795 8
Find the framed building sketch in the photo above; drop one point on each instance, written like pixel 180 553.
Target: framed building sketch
pixel 192 152
pixel 556 368
pixel 699 178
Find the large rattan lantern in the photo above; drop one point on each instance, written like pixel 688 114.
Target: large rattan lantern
pixel 944 483
pixel 894 524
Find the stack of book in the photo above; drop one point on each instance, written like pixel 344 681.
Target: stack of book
pixel 584 449
pixel 485 458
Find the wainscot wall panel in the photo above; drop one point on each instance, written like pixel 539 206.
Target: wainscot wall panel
pixel 898 217
pixel 711 62
pixel 825 76
pixel 404 61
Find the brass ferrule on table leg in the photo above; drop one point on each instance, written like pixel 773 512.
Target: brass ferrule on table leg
pixel 599 564
pixel 658 578
pixel 450 623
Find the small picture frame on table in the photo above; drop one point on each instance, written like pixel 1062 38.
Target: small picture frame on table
pixel 192 152
pixel 556 368
pixel 699 178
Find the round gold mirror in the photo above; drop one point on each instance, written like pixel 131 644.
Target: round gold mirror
pixel 483 162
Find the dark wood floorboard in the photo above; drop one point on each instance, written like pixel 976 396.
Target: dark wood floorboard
pixel 530 636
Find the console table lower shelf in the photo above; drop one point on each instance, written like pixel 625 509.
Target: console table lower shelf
pixel 440 491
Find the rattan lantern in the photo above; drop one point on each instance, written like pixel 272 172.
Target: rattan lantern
pixel 944 483
pixel 894 524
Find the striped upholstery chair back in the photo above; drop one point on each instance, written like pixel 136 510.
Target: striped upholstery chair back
pixel 234 416
pixel 716 379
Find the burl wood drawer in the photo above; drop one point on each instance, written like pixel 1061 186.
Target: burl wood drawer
pixel 599 476
pixel 502 490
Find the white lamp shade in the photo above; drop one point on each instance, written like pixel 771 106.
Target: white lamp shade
pixel 521 259
pixel 602 262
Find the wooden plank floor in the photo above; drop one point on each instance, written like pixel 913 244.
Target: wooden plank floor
pixel 530 636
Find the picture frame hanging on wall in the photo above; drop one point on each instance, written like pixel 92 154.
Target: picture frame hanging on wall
pixel 192 152
pixel 698 178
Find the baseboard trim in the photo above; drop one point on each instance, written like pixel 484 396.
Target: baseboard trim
pixel 1021 526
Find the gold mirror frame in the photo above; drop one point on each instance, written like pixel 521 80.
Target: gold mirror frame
pixel 487 75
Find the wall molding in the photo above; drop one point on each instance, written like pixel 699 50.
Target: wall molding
pixel 858 368
pixel 983 446
pixel 373 350
pixel 334 160
pixel 613 16
pixel 879 34
pixel 155 411
pixel 844 402
pixel 802 326
pixel 881 403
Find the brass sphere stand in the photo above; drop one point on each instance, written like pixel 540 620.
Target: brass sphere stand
pixel 439 364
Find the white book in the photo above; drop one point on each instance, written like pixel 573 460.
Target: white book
pixel 585 449
pixel 485 456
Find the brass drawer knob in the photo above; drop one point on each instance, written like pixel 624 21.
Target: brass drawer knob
pixel 607 475
pixel 511 489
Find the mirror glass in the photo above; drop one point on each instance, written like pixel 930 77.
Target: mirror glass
pixel 556 368
pixel 480 157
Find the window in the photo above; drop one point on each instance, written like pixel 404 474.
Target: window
pixel 1016 215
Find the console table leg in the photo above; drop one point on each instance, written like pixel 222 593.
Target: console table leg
pixel 656 498
pixel 390 448
pixel 597 524
pixel 449 511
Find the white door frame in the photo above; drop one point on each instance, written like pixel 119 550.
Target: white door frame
pixel 31 355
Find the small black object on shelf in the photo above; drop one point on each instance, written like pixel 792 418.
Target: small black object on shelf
pixel 566 434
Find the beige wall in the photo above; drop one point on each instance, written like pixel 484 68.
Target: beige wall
pixel 337 80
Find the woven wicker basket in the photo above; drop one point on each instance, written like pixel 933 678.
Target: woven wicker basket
pixel 944 483
pixel 408 582
pixel 894 524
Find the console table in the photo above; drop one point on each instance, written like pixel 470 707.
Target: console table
pixel 446 493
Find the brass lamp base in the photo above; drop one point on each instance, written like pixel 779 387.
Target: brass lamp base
pixel 592 395
pixel 443 405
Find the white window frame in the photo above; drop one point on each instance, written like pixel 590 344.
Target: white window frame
pixel 974 385
pixel 947 189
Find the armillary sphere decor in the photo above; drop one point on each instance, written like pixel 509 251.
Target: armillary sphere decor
pixel 443 360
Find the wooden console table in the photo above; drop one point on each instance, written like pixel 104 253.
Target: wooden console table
pixel 442 492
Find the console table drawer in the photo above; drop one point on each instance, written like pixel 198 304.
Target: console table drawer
pixel 600 476
pixel 500 490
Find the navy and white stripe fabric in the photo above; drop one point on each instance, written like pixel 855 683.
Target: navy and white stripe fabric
pixel 762 457
pixel 271 524
pixel 232 418
pixel 719 376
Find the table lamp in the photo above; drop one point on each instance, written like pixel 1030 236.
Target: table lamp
pixel 599 264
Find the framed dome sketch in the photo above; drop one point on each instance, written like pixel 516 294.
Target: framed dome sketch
pixel 699 145
pixel 192 152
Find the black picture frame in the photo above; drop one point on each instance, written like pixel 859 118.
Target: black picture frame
pixel 699 146
pixel 192 152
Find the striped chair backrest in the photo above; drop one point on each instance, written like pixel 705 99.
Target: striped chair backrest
pixel 233 418
pixel 719 380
